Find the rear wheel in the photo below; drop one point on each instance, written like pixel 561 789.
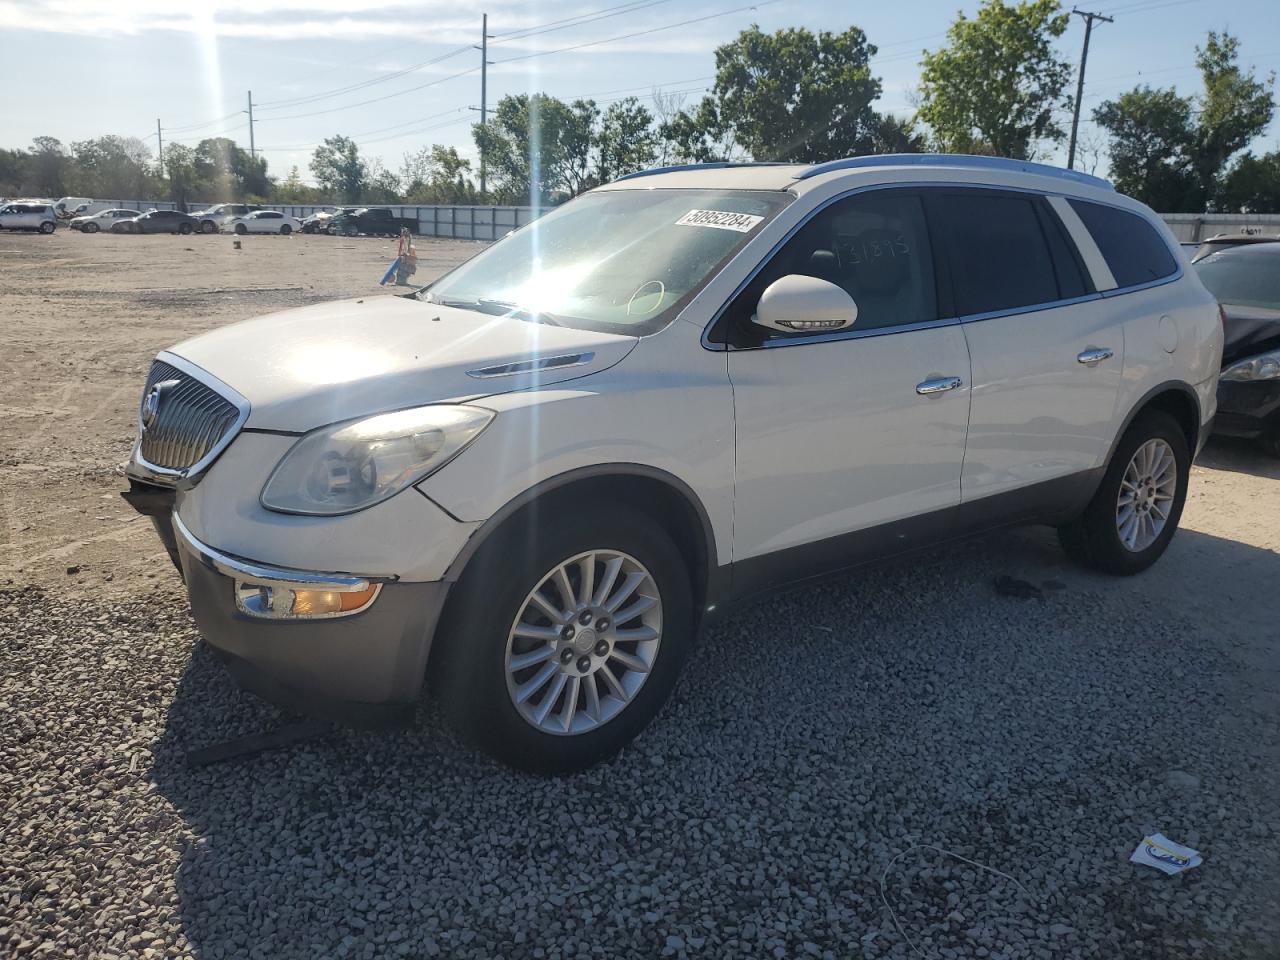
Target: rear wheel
pixel 560 650
pixel 185 229
pixel 208 226
pixel 1134 513
pixel 285 230
pixel 48 226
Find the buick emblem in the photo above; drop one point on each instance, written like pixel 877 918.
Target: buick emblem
pixel 151 402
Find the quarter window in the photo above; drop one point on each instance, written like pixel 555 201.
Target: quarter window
pixel 1133 249
pixel 875 246
pixel 997 251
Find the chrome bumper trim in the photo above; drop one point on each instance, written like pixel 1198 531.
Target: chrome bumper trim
pixel 248 571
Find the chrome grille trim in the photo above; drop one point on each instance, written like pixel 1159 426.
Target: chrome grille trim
pixel 198 417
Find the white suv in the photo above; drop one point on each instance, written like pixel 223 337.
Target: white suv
pixel 532 480
pixel 28 215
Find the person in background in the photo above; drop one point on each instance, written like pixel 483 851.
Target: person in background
pixel 407 263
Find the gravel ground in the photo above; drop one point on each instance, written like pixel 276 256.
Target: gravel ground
pixel 814 738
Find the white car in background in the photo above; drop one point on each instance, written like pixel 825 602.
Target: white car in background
pixel 102 221
pixel 263 221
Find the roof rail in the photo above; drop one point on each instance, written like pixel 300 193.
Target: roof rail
pixel 716 165
pixel 954 160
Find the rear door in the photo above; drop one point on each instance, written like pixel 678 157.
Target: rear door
pixel 848 443
pixel 1047 362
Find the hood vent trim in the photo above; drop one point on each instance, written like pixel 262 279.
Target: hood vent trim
pixel 536 365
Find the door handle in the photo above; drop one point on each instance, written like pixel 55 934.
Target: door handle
pixel 940 385
pixel 1095 355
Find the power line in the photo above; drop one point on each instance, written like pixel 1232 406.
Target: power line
pixel 350 88
pixel 577 21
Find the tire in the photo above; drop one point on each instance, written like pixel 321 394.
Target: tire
pixel 285 229
pixel 91 228
pixel 47 227
pixel 241 229
pixel 185 229
pixel 1094 539
pixel 351 232
pixel 471 671
pixel 208 226
pixel 331 230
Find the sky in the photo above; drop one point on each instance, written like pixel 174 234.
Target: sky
pixel 397 76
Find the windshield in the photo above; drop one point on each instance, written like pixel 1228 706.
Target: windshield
pixel 618 261
pixel 1248 278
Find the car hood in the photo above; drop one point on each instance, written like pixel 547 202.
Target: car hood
pixel 304 368
pixel 1249 331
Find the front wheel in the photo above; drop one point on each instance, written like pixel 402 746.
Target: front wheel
pixel 185 229
pixel 241 229
pixel 208 226
pixel 1133 515
pixel 91 228
pixel 561 649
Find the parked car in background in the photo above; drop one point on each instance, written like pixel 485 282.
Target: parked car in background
pixel 67 207
pixel 28 216
pixel 537 476
pixel 213 219
pixel 1224 241
pixel 158 221
pixel 92 207
pixel 102 221
pixel 263 221
pixel 318 222
pixel 1246 281
pixel 373 221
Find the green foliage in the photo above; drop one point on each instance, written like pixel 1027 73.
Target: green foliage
pixel 181 170
pixel 1253 185
pixel 48 168
pixel 114 166
pixel 1152 139
pixel 625 141
pixel 339 170
pixel 436 174
pixel 999 84
pixel 1171 152
pixel 537 149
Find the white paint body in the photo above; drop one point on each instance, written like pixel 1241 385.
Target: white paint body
pixel 103 220
pixel 262 221
pixel 781 447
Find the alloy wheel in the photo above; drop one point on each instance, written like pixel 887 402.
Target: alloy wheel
pixel 584 642
pixel 1146 495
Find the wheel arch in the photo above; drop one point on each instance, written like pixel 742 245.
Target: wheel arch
pixel 1174 397
pixel 664 497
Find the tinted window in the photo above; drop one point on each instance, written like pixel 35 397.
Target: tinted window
pixel 1133 249
pixel 874 245
pixel 1244 277
pixel 997 251
pixel 267 215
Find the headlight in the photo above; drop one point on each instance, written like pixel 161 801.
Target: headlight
pixel 350 466
pixel 1265 366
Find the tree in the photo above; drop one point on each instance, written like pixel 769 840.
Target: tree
pixel 337 167
pixel 1253 185
pixel 48 167
pixel 998 86
pixel 181 170
pixel 229 171
pixel 13 171
pixel 537 148
pixel 1234 108
pixel 113 166
pixel 625 141
pixel 1171 151
pixel 293 190
pixel 436 174
pixel 1152 141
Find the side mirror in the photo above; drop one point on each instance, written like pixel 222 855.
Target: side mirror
pixel 796 303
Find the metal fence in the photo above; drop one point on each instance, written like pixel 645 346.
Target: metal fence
pixel 1192 227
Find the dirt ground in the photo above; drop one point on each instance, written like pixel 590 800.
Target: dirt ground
pixel 80 319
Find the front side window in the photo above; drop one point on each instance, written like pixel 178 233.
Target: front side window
pixel 875 246
pixel 997 251
pixel 1134 251
pixel 622 261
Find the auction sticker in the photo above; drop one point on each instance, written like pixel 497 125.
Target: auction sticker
pixel 720 219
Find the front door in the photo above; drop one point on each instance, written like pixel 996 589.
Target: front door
pixel 850 442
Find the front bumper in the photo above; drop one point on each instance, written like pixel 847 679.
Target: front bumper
pixel 363 668
pixel 1248 409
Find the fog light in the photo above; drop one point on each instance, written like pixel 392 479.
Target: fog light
pixel 283 603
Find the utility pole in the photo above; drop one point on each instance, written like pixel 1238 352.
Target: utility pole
pixel 1084 58
pixel 484 89
pixel 160 144
pixel 250 111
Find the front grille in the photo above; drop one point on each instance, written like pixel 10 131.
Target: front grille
pixel 190 421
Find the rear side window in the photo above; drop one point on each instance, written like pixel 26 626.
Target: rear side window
pixel 1133 249
pixel 997 250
